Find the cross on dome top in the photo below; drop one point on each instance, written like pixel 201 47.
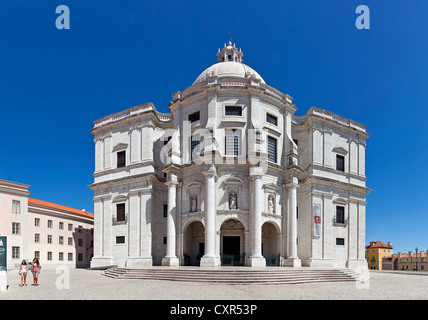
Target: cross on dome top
pixel 229 53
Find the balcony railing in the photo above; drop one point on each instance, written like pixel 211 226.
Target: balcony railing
pixel 120 219
pixel 340 222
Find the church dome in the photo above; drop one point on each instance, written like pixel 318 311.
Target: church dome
pixel 228 69
pixel 229 64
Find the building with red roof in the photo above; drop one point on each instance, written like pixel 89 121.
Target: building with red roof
pixel 53 233
pixel 375 252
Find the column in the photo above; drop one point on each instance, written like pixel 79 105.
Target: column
pixel 256 258
pixel 102 233
pixel 139 225
pixel 292 259
pixel 210 259
pixel 171 258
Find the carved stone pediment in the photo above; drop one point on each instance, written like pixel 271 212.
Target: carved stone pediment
pixel 232 181
pixel 120 198
pixel 193 185
pixel 340 150
pixel 120 146
pixel 271 187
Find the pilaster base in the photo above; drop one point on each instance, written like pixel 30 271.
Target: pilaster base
pixel 100 262
pixel 292 262
pixel 139 262
pixel 355 264
pixel 210 262
pixel 171 261
pixel 257 262
pixel 316 262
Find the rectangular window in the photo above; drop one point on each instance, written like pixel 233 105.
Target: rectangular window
pixel 165 210
pixel 120 212
pixel 16 228
pixel 37 237
pixel 37 222
pixel 16 252
pixel 70 241
pixel 165 240
pixel 340 163
pixel 271 119
pixel 340 214
pixel 120 239
pixel 70 227
pixel 61 256
pixel 61 240
pixel 340 241
pixel 233 111
pixel 37 254
pixel 79 257
pixel 16 206
pixel 194 117
pixel 49 255
pixel 80 242
pixel 121 159
pixel 271 149
pixel 50 224
pixel 194 145
pixel 49 238
pixel 233 142
pixel 70 257
pixel 61 226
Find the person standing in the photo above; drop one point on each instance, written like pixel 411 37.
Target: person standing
pixel 35 269
pixel 23 270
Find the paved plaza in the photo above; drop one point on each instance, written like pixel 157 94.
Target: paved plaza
pixel 82 284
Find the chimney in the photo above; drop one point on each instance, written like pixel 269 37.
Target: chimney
pixel 83 209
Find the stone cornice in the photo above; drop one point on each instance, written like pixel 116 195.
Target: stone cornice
pixel 324 117
pixel 130 166
pixel 332 170
pixel 345 185
pixel 126 180
pixel 246 85
pixel 134 114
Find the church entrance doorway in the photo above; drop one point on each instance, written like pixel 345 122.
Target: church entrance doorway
pixel 194 244
pixel 232 243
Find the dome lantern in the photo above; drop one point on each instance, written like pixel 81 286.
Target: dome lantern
pixel 229 53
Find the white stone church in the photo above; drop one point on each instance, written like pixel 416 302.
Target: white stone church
pixel 229 177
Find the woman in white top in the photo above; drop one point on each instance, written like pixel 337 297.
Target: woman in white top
pixel 23 269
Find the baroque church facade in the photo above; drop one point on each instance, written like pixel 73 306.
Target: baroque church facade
pixel 229 177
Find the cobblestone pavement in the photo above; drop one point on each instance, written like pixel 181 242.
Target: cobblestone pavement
pixel 81 284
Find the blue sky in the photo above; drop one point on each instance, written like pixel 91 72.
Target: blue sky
pixel 118 54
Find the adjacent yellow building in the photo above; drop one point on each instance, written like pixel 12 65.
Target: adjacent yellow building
pixel 375 252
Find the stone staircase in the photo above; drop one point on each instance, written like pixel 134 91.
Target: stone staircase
pixel 233 275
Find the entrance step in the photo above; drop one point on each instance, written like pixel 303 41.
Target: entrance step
pixel 226 275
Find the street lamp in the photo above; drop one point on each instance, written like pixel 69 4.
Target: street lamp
pixel 416 258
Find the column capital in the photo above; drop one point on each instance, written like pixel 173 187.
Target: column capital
pixel 292 183
pixel 210 172
pixel 256 172
pixel 172 183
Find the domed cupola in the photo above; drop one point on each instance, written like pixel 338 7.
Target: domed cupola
pixel 229 64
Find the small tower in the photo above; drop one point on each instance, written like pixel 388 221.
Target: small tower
pixel 229 53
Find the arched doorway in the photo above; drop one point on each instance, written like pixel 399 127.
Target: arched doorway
pixel 232 243
pixel 270 244
pixel 194 243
